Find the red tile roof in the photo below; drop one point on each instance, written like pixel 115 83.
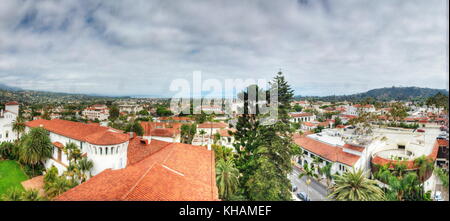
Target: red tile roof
pixel 409 163
pixel 138 149
pixel 301 114
pixel 161 129
pixel 58 145
pixel 11 103
pixel 226 132
pixel 347 116
pixel 326 151
pixel 354 147
pixel 175 172
pixel 91 133
pixel 212 125
pixel 442 142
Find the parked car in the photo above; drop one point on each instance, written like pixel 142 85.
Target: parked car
pixel 438 196
pixel 294 188
pixel 303 196
pixel 420 130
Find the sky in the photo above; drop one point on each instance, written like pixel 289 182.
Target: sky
pixel 323 47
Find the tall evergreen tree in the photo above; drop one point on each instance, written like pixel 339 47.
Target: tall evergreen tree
pixel 265 151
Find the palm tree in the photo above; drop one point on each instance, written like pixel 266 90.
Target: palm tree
pixel 8 150
pixel 184 131
pixel 217 138
pixel 50 175
pixel 59 186
pixel 72 151
pixel 300 153
pixel 326 171
pixel 354 186
pixel 19 126
pixel 316 163
pixel 12 194
pixel 425 165
pixel 202 132
pixel 222 152
pixel 227 177
pixel 36 147
pixel 309 172
pixel 85 165
pixel 31 195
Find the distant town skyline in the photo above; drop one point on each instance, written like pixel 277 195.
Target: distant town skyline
pixel 137 48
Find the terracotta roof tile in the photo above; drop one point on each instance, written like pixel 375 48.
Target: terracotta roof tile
pixel 91 133
pixel 173 172
pixel 212 125
pixel 326 151
pixel 161 129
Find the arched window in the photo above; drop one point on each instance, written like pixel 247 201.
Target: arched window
pixel 112 150
pixel 100 150
pixel 106 150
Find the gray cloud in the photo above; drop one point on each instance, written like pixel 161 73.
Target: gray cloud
pixel 138 47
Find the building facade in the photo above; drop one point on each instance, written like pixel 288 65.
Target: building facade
pixel 7 118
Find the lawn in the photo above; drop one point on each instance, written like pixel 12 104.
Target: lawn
pixel 11 175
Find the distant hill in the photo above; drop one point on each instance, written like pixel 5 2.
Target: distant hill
pixel 8 88
pixel 386 94
pixel 8 93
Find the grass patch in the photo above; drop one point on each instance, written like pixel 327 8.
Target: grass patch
pixel 11 175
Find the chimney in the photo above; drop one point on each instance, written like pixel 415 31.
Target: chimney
pixel 131 135
pixel 147 139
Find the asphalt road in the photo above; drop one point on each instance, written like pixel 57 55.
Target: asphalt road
pixel 316 191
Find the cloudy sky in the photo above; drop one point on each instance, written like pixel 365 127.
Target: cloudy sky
pixel 323 47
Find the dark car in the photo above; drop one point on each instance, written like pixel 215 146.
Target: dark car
pixel 420 130
pixel 303 196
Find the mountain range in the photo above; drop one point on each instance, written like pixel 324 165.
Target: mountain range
pixel 382 94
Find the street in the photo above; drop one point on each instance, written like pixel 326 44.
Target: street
pixel 316 192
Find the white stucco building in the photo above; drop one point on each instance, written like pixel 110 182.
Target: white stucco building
pixel 96 112
pixel 297 117
pixel 106 147
pixel 130 108
pixel 7 117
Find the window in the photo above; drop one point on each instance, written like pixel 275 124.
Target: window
pixel 106 150
pixel 59 154
pixel 402 147
pixel 100 150
pixel 112 150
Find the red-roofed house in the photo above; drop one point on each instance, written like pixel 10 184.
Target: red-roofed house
pixel 211 126
pixel 97 111
pixel 106 147
pixel 298 117
pixel 169 132
pixel 343 157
